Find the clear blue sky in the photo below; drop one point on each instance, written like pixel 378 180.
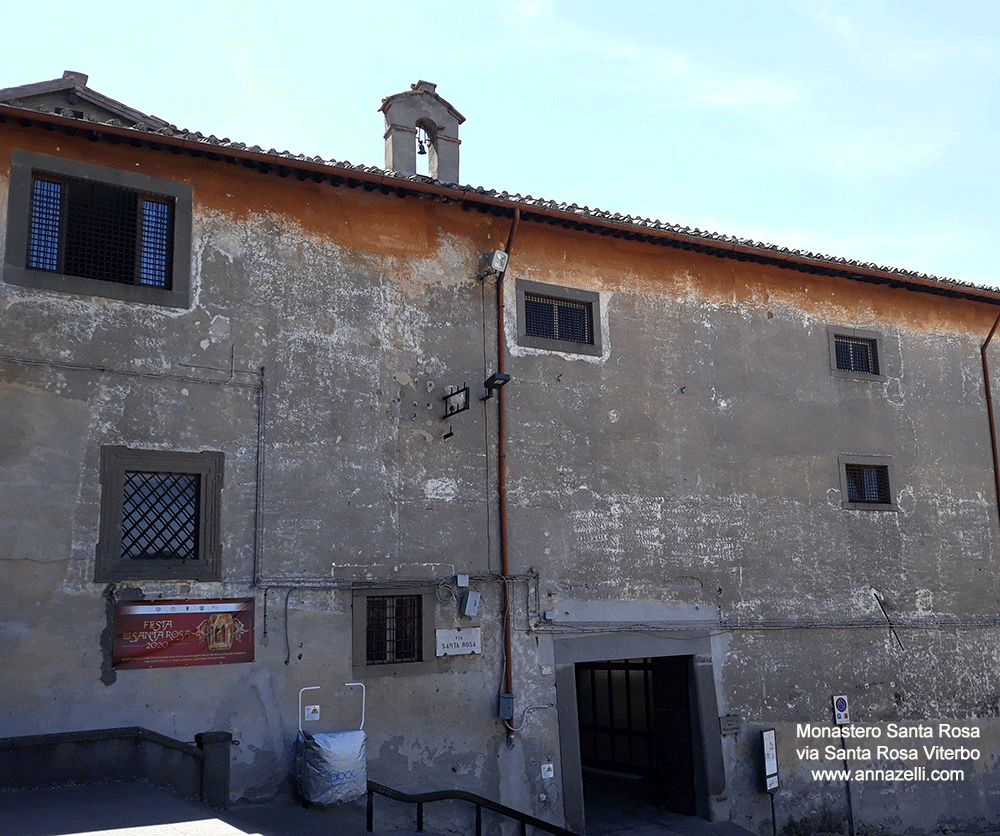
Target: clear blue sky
pixel 867 130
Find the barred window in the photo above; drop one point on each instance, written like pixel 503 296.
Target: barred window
pixel 558 319
pixel 159 515
pixel 855 354
pixel 393 632
pixel 75 227
pixel 96 231
pixel 867 483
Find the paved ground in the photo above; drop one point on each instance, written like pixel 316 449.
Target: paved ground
pixel 141 810
pixel 616 807
pixel 134 809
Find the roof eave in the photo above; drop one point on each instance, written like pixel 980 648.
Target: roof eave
pixel 473 198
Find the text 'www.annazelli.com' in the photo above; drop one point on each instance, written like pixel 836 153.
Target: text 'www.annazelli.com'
pixel 916 773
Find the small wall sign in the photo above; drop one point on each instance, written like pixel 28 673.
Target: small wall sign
pixel 460 641
pixel 730 723
pixel 770 761
pixel 841 710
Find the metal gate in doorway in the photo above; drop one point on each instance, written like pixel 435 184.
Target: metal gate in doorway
pixel 635 720
pixel 615 704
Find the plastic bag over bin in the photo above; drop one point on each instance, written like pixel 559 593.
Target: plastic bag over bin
pixel 332 767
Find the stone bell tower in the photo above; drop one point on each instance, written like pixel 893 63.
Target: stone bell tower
pixel 421 109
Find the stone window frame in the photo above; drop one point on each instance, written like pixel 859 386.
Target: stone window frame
pixel 878 339
pixel 867 461
pixel 23 168
pixel 590 298
pixel 116 461
pixel 359 633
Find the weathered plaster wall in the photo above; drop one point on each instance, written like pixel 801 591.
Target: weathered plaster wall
pixel 327 291
pixel 687 477
pixel 693 471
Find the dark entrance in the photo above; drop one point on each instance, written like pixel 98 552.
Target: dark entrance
pixel 635 732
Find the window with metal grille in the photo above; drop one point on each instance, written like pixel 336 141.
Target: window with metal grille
pixel 159 515
pixel 394 631
pixel 96 231
pixel 856 354
pixel 558 319
pixel 868 483
pixel 75 227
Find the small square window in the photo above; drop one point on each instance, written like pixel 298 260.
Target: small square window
pixel 159 515
pixel 80 228
pixel 558 318
pixel 394 631
pixel 855 353
pixel 866 483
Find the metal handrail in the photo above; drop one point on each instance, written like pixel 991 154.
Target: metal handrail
pixel 459 795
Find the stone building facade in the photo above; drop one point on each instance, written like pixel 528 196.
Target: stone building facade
pixel 725 482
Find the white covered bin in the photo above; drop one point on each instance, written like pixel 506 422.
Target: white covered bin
pixel 332 767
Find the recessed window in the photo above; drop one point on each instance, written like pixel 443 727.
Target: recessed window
pixel 101 232
pixel 866 483
pixel 855 353
pixel 80 228
pixel 558 318
pixel 393 629
pixel 159 515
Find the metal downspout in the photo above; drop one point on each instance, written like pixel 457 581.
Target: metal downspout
pixel 989 412
pixel 502 473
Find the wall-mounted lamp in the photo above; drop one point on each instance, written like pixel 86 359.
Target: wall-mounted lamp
pixel 455 402
pixel 494 382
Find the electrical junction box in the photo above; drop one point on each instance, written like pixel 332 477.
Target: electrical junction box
pixel 506 706
pixel 462 579
pixel 469 605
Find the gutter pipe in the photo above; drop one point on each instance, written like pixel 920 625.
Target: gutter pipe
pixel 502 470
pixel 989 412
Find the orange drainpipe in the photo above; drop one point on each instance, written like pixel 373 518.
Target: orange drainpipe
pixel 502 471
pixel 989 412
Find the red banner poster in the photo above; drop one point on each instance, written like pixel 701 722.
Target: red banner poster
pixel 177 634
